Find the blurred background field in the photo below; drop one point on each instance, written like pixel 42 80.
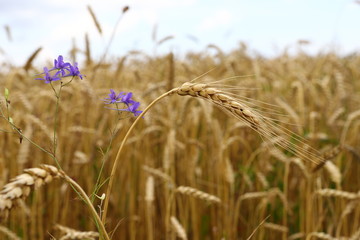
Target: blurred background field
pixel 265 192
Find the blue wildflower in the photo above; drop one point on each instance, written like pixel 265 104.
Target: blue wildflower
pixel 48 78
pixel 127 99
pixel 124 98
pixel 64 69
pixel 113 98
pixel 74 71
pixel 60 65
pixel 133 109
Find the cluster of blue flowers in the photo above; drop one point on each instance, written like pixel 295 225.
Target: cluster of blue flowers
pixel 63 69
pixel 124 98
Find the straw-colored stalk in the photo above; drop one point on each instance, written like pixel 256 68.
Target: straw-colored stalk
pixel 20 187
pixel 93 16
pixel 178 228
pixel 355 236
pixel 158 173
pixel 9 233
pixel 276 227
pixel 320 235
pixel 69 233
pixel 149 199
pixel 334 172
pixel 351 117
pixel 198 194
pixel 328 155
pixel 221 99
pixel 337 193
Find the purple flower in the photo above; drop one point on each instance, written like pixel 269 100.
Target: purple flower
pixel 127 99
pixel 64 69
pixel 61 65
pixel 48 78
pixel 113 98
pixel 74 71
pixel 133 109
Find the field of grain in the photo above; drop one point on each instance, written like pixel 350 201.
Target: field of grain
pixel 194 166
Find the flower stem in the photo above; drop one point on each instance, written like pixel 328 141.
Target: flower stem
pixel 88 202
pixel 116 161
pixel 58 95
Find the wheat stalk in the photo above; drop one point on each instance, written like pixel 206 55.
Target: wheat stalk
pixel 197 194
pixel 276 227
pixel 298 162
pixel 248 115
pixel 179 229
pixel 20 186
pixel 355 236
pixel 9 233
pixel 252 195
pixel 262 179
pixel 351 117
pixel 158 173
pixel 229 172
pixel 229 104
pixel 328 155
pixel 221 99
pixel 335 116
pixel 296 236
pixel 93 16
pixel 75 234
pixel 28 63
pixel 340 84
pixel 334 172
pixel 320 235
pixel 337 193
pixel 149 193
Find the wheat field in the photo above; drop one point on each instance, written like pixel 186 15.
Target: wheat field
pixel 243 147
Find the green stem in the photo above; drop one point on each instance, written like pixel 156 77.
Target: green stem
pixel 89 204
pixel 116 161
pixel 58 95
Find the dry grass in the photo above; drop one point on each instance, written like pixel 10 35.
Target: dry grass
pixel 253 161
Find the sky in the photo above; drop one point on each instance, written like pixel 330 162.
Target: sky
pixel 266 26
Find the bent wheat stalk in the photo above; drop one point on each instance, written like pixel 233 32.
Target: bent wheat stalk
pixel 20 187
pixel 227 103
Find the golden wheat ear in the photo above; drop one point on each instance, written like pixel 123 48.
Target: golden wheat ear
pixel 252 118
pixel 221 99
pixel 20 186
pixel 69 233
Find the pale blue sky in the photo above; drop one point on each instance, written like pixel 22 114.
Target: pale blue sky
pixel 267 26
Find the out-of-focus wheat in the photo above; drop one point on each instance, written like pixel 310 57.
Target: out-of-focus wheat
pixel 20 186
pixel 69 233
pixel 197 194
